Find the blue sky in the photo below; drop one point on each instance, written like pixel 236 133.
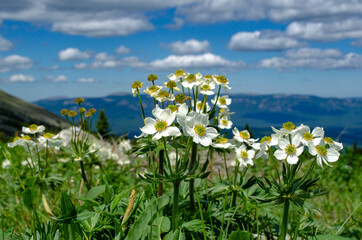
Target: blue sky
pixel 52 48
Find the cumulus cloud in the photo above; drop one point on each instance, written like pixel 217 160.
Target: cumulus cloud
pixel 5 44
pixel 262 41
pixel 21 78
pixel 326 31
pixel 86 80
pixel 188 47
pixel 70 54
pixel 357 43
pixel 207 60
pixel 103 56
pixel 60 78
pixel 103 27
pixel 309 58
pixel 54 67
pixel 122 50
pixel 80 65
pixel 15 62
pixel 313 53
pixel 177 24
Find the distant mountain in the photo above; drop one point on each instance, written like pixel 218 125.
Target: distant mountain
pixel 339 116
pixel 15 113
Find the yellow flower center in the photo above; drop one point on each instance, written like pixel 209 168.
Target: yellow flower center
pixel 222 140
pixel 172 107
pixel 16 139
pixel 290 149
pixel 308 136
pixel 160 125
pixel 153 89
pixel 26 137
pixel 92 110
pixel 221 79
pixel 137 84
pixel 224 122
pixel 208 77
pixel 200 129
pixel 200 106
pixel 171 84
pixel 321 150
pixel 328 140
pixel 33 127
pixel 180 98
pixel 88 114
pixel 288 126
pixel 265 139
pixel 205 87
pixel 82 110
pixel 179 72
pixel 244 135
pixel 244 154
pixel 48 135
pixel 152 77
pixel 191 78
pixel 64 112
pixel 164 93
pixel 222 101
pixel 79 100
pixel 72 113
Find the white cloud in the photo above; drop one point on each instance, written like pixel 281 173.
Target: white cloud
pixel 86 80
pixel 330 59
pixel 326 31
pixel 313 53
pixel 5 44
pixel 189 47
pixel 122 50
pixel 60 78
pixel 73 54
pixel 14 62
pixel 80 66
pixel 103 27
pixel 54 67
pixel 21 78
pixel 177 24
pixel 103 56
pixel 207 60
pixel 357 43
pixel 262 41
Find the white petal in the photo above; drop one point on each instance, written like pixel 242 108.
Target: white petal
pixel 300 150
pixel 205 141
pixel 332 155
pixel 318 132
pixel 292 159
pixel 280 154
pixel 211 132
pixel 173 131
pixel 149 129
pixel 283 143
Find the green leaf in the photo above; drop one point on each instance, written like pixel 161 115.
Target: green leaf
pixel 176 235
pixel 160 225
pixel 240 235
pixel 84 216
pixel 27 198
pixel 330 237
pixel 140 226
pixel 96 191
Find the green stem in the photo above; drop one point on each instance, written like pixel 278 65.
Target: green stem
pixel 192 181
pixel 175 210
pixel 217 98
pixel 226 168
pixel 139 98
pixel 211 162
pixel 160 171
pixel 84 176
pixel 235 183
pixel 284 226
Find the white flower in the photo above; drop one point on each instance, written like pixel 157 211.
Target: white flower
pixel 288 128
pixel 163 95
pixel 161 126
pixel 223 143
pixel 262 150
pixel 222 102
pixel 222 81
pixel 33 128
pixel 135 87
pixel 24 141
pixel 324 154
pixel 243 136
pixel 196 126
pixel 177 75
pixel 153 90
pixel 225 112
pixel 172 85
pixel 245 156
pixel 225 123
pixel 125 145
pixel 289 150
pixel 50 139
pixel 6 164
pixel 315 136
pixel 332 144
pixel 207 88
pixel 200 107
pixel 191 80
